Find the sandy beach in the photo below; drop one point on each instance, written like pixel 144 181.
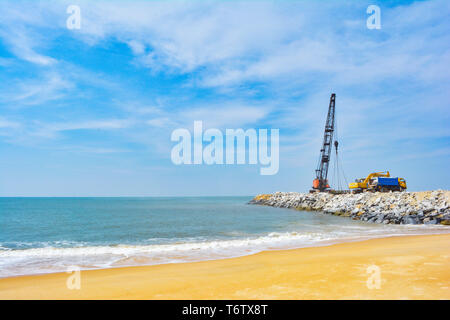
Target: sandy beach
pixel 410 267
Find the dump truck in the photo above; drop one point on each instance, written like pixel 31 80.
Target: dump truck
pixel 388 184
pixel 378 181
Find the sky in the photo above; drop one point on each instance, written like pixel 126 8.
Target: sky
pixel 90 111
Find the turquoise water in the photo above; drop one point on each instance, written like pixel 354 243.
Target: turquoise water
pixel 39 235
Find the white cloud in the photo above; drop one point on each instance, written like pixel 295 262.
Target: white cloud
pixel 22 47
pixel 229 43
pixel 94 150
pixel 17 30
pixel 137 47
pixel 227 115
pixel 184 36
pixel 92 125
pixel 36 91
pixel 160 122
pixel 51 130
pixel 7 124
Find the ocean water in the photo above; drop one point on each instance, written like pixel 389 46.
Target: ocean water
pixel 41 235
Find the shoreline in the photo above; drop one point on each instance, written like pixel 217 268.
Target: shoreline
pixel 170 281
pixel 323 243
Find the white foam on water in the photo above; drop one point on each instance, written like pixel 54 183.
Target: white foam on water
pixel 45 259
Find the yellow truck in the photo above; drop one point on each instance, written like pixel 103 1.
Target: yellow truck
pixel 378 181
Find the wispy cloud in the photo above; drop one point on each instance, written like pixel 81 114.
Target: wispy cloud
pixel 232 43
pixel 93 150
pixel 17 30
pixel 52 129
pixel 29 92
pixel 5 124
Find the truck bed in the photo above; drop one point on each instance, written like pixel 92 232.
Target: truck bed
pixel 388 181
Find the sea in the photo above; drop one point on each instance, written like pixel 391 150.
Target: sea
pixel 45 235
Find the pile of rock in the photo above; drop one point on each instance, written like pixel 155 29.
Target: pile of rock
pixel 426 207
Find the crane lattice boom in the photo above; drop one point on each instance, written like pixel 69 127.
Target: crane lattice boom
pixel 321 182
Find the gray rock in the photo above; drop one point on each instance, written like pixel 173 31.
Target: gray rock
pixel 376 207
pixel 410 220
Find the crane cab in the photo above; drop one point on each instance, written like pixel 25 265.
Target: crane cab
pixel 317 185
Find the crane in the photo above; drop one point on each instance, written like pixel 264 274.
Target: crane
pixel 320 183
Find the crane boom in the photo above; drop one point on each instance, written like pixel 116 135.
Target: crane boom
pixel 321 182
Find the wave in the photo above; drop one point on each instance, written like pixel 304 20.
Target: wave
pixel 44 259
pixel 273 238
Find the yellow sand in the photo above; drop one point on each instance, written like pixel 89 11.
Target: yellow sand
pixel 413 267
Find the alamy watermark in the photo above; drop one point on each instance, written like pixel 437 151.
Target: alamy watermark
pixel 236 146
pixel 74 20
pixel 374 279
pixel 374 20
pixel 73 282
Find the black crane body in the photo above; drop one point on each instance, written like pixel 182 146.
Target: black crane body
pixel 321 181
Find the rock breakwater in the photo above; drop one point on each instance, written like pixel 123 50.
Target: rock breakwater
pixel 425 207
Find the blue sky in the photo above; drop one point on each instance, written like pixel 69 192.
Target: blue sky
pixel 89 112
